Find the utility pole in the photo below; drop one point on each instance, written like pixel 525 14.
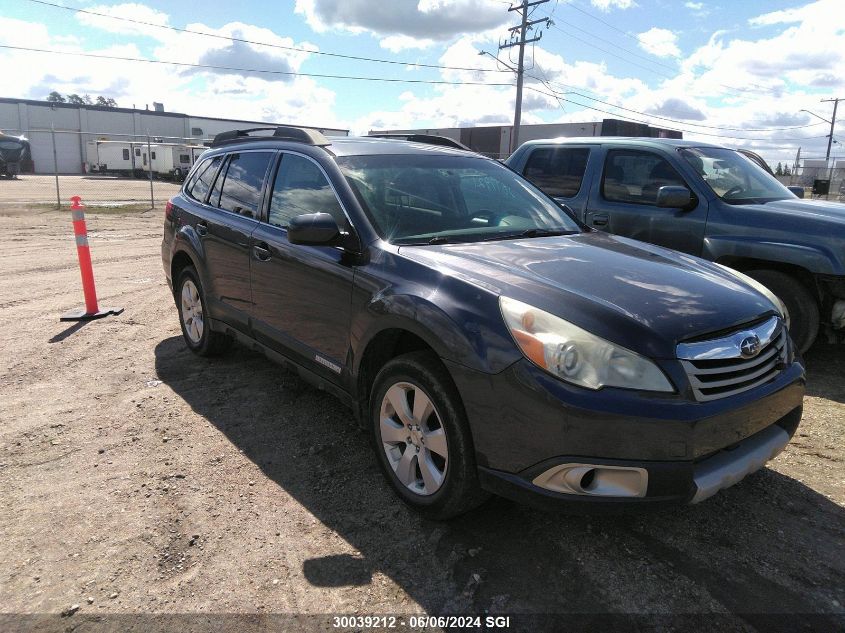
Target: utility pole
pixel 832 123
pixel 526 24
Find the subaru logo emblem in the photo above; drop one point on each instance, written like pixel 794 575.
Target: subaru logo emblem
pixel 750 346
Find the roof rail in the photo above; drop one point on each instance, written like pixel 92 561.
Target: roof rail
pixel 281 132
pixel 429 139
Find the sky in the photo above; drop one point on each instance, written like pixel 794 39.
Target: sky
pixel 733 73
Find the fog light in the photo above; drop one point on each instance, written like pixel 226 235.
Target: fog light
pixel 595 480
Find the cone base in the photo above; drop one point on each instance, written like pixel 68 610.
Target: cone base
pixel 82 315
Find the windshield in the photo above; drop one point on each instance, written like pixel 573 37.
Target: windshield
pixel 734 177
pixel 419 199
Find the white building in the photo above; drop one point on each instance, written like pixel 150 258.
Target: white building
pixel 75 125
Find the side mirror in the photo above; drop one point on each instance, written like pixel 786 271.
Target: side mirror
pixel 314 229
pixel 674 197
pixel 798 191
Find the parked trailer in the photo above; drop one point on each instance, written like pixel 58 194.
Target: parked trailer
pixel 116 157
pixel 170 160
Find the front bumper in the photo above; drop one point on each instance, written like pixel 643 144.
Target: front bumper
pixel 525 422
pixel 669 483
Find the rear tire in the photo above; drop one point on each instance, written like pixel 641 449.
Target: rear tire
pixel 802 307
pixel 191 304
pixel 425 451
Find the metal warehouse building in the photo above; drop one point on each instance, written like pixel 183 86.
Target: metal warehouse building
pixel 75 125
pixel 495 140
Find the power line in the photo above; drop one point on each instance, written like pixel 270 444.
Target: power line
pixel 664 118
pixel 256 43
pixel 254 70
pixel 627 118
pixel 637 39
pixel 638 65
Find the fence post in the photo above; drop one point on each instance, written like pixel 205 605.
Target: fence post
pixel 55 164
pixel 150 163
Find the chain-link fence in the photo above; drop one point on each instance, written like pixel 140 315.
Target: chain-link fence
pixel 104 169
pixel 823 183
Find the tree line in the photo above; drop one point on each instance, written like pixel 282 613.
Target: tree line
pixel 75 99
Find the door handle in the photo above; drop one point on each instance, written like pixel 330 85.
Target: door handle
pixel 599 220
pixel 261 251
pixel 202 228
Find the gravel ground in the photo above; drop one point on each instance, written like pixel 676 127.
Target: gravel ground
pixel 137 478
pixel 41 189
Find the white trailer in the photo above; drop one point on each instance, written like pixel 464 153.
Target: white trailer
pixel 169 160
pixel 119 157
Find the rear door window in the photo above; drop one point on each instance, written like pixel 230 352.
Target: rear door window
pixel 202 179
pixel 558 171
pixel 241 184
pixel 301 187
pixel 636 176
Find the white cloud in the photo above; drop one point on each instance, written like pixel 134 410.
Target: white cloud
pixel 131 11
pixel 607 5
pixel 660 42
pixel 694 6
pixel 397 43
pixel 412 23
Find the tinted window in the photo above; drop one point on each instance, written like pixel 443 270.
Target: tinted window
pixel 557 170
pixel 241 184
pixel 300 187
pixel 633 176
pixel 126 154
pixel 201 182
pixel 184 158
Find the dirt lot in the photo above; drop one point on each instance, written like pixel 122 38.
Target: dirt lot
pixel 136 478
pixel 41 189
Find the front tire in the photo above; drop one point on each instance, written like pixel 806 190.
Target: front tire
pixel 802 307
pixel 197 332
pixel 421 437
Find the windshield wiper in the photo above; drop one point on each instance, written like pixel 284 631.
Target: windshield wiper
pixel 535 232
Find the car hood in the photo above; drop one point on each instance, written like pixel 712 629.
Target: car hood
pixel 830 213
pixel 641 296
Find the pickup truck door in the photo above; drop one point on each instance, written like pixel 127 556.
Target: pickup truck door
pixel 562 172
pixel 623 200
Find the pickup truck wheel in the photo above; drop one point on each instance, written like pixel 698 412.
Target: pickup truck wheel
pixel 800 304
pixel 422 439
pixel 190 301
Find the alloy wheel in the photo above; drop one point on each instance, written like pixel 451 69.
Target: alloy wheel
pixel 413 438
pixel 192 312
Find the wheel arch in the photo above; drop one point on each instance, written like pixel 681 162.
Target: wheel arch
pixel 801 274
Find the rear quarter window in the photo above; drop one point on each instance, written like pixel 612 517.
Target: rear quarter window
pixel 200 183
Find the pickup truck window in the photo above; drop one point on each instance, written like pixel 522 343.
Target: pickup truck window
pixel 734 177
pixel 557 170
pixel 636 176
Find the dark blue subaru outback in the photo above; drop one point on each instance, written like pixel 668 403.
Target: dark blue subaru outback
pixel 489 341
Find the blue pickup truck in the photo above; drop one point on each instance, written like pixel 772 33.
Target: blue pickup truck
pixel 708 201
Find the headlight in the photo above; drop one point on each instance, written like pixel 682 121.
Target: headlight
pixel 575 355
pixel 784 313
